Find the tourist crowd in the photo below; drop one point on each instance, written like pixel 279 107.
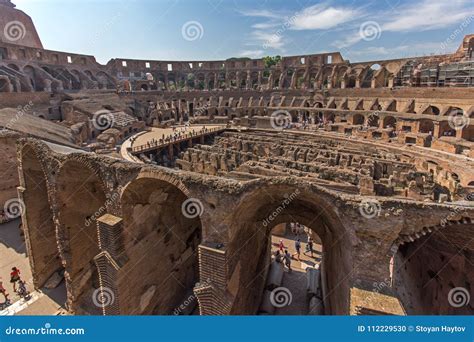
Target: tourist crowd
pixel 19 286
pixel 282 254
pixel 178 133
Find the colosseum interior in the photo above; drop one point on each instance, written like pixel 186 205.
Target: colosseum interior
pixel 164 187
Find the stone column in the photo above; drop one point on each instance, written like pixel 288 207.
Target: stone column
pixel 293 80
pixel 271 80
pixel 390 82
pixel 109 229
pixel 227 80
pixel 459 132
pixel 436 129
pixel 211 291
pixel 109 261
pixel 281 81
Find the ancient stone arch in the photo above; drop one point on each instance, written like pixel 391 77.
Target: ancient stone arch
pixel 39 226
pixel 81 200
pixel 5 85
pixel 160 229
pixel 258 212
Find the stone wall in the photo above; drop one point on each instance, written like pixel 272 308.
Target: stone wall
pixel 158 263
pixel 429 268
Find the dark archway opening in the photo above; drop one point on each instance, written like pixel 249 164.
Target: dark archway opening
pixel 250 256
pixel 294 272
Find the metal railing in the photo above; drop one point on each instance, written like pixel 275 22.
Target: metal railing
pixel 174 138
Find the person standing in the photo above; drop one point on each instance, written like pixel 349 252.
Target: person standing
pixel 14 277
pixel 281 246
pixel 287 260
pixel 278 256
pixel 298 248
pixel 309 246
pixel 3 291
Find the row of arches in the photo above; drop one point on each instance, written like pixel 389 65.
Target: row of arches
pixel 329 76
pixel 159 260
pixel 52 78
pixel 155 233
pixel 160 242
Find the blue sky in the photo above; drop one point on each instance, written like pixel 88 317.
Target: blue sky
pixel 220 29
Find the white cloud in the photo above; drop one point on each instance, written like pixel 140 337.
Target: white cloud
pixel 401 51
pixel 268 39
pixel 267 25
pixel 261 14
pixel 424 16
pixel 348 41
pixel 252 53
pixel 429 15
pixel 270 32
pixel 322 17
